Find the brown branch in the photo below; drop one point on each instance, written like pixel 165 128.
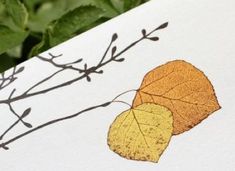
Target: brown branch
pixel 85 73
pixel 63 66
pixel 54 121
pixel 4 145
pixel 6 81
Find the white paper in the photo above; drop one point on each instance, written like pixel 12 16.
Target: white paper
pixel 200 32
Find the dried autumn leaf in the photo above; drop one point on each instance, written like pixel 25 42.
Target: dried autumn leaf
pixel 183 89
pixel 141 133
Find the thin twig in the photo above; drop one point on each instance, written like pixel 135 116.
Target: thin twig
pixel 11 127
pixel 85 73
pixel 133 90
pixel 14 112
pixel 10 79
pixel 4 145
pixel 43 81
pixel 114 38
pixel 64 66
pixel 119 101
pixel 52 122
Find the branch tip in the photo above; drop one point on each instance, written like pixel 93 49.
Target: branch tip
pixel 164 25
pixel 4 147
pixel 114 49
pixel 28 125
pixel 154 38
pixel 85 74
pixel 21 69
pixel 144 32
pixel 26 113
pixel 115 36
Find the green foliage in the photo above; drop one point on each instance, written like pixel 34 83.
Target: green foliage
pixel 18 13
pixel 29 27
pixel 70 23
pixel 10 39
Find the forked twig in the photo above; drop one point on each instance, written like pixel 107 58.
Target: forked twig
pixel 84 72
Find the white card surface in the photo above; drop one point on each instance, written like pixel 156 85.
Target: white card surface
pixel 199 32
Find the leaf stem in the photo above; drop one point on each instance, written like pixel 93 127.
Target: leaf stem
pixel 133 90
pixel 119 101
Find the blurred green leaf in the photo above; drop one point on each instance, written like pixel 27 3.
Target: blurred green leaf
pixel 32 4
pixel 125 5
pixel 46 13
pixel 18 12
pixel 131 4
pixel 15 52
pixel 42 46
pixel 50 22
pixel 10 39
pixel 6 62
pixel 67 26
pixel 51 10
pixel 2 10
pixel 118 4
pixel 90 26
pixel 105 5
pixel 6 19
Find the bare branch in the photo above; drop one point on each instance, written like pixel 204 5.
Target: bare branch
pixel 55 121
pixel 83 73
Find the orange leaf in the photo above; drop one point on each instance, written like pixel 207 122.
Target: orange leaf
pixel 183 89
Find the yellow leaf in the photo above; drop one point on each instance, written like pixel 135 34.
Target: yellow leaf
pixel 141 133
pixel 183 89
